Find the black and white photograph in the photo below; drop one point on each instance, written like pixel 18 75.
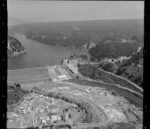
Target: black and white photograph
pixel 75 64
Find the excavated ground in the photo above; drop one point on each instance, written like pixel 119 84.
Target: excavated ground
pixel 54 98
pixel 68 105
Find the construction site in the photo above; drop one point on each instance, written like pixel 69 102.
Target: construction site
pixel 46 98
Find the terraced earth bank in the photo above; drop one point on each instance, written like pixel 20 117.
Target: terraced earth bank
pixel 69 105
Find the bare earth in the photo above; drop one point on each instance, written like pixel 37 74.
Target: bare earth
pixel 54 101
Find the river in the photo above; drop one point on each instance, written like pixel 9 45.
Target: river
pixel 39 54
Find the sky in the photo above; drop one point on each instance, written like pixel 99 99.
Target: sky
pixel 74 10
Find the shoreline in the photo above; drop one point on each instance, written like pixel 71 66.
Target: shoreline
pixel 82 78
pixel 55 45
pixel 15 55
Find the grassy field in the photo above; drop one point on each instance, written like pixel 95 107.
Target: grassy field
pixel 27 75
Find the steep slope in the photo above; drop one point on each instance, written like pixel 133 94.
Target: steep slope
pixel 132 69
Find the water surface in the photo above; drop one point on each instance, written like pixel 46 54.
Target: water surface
pixel 39 55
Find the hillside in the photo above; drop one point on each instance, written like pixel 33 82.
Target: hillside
pixel 129 66
pixel 113 50
pixel 132 69
pixel 78 33
pixel 15 93
pixel 68 104
pixel 14 47
pixel 95 73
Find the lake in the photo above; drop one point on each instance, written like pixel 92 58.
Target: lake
pixel 39 54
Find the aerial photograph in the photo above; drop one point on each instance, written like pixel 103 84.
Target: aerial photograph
pixel 75 64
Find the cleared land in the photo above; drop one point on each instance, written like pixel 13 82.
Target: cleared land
pixel 27 75
pixel 54 97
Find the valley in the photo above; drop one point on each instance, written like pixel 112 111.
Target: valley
pixel 77 75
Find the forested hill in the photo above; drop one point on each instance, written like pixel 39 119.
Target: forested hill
pixel 113 49
pixel 99 26
pixel 14 47
pixel 132 69
pixel 79 32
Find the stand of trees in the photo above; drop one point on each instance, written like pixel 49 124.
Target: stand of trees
pixel 14 46
pixel 113 50
pixel 15 93
pixel 132 69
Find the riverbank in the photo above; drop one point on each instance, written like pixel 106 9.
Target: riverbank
pixel 14 47
pixel 40 55
pixel 17 54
